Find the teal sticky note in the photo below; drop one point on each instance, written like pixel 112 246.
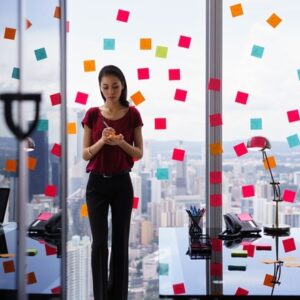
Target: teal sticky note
pixel 109 44
pixel 42 125
pixel 293 140
pixel 162 173
pixel 161 51
pixel 257 51
pixel 164 269
pixel 256 124
pixel 40 53
pixel 298 72
pixel 16 73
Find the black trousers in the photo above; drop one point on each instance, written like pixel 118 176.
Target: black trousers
pixel 116 192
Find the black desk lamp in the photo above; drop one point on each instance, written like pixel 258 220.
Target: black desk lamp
pixel 260 143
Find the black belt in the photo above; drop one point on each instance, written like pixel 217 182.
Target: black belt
pixel 111 175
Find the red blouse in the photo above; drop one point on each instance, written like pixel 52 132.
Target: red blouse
pixel 111 159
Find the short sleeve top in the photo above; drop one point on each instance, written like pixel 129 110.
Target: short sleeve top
pixel 111 159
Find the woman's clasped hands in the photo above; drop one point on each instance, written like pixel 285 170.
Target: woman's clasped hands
pixel 110 137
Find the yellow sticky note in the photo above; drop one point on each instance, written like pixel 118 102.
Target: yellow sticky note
pixel 84 211
pixel 89 65
pixel 9 266
pixel 10 165
pixel 31 278
pixel 57 12
pixel 216 148
pixel 72 128
pixel 268 280
pixel 145 44
pixel 236 10
pixel 31 163
pixel 137 98
pixel 272 162
pixel 274 20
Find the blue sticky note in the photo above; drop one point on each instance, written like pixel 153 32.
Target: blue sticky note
pixel 256 124
pixel 16 73
pixel 40 53
pixel 42 125
pixel 298 71
pixel 162 173
pixel 293 140
pixel 163 269
pixel 109 44
pixel 257 51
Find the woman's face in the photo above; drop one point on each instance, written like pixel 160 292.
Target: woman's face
pixel 111 88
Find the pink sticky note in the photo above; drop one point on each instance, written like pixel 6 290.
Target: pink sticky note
pixel 248 191
pixel 56 150
pixel 55 99
pixel 215 177
pixel 67 26
pixel 215 120
pixel 135 202
pixel 250 249
pixel 289 245
pixel 241 97
pixel 216 269
pixel 123 15
pixel 50 191
pixel 45 216
pixel 180 95
pixel 245 217
pixel 178 154
pixel 81 98
pixel 178 288
pixel 241 292
pixel 143 73
pixel 240 149
pixel 160 123
pixel 216 244
pixel 288 196
pixel 50 250
pixel 216 200
pixel 184 41
pixel 56 290
pixel 214 84
pixel 174 74
pixel 293 115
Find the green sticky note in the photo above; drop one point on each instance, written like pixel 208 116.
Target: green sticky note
pixel 161 51
pixel 164 269
pixel 242 253
pixel 42 125
pixel 256 124
pixel 293 140
pixel 162 173
pixel 109 44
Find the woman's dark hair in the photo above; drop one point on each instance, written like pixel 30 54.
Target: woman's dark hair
pixel 115 71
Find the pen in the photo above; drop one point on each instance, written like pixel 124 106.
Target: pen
pixel 105 124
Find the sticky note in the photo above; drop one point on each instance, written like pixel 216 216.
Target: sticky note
pixel 42 125
pixel 257 51
pixel 293 115
pixel 288 195
pixel 81 98
pixel 15 73
pixel 160 123
pixel 216 244
pixel 135 202
pixel 256 124
pixel 56 290
pixel 214 84
pixel 241 292
pixel 184 41
pixel 240 149
pixel 272 163
pixel 50 250
pixel 215 177
pixel 56 150
pixel 84 210
pixel 250 249
pixel 240 253
pixel 145 43
pixel 31 163
pixel 163 269
pixel 162 173
pixel 215 120
pixel 10 165
pixel 274 20
pixel 180 95
pixel 293 140
pixel 298 72
pixel 248 191
pixel 216 148
pixel 57 12
pixel 31 252
pixel 55 99
pixel 123 15
pixel 241 97
pixel 28 24
pixel 9 33
pixel 161 51
pixel 289 245
pixel 71 128
pixel 40 54
pixel 174 74
pixel 216 269
pixel 178 288
pixel 50 191
pixel 236 268
pixel 143 73
pixel 236 10
pixel 263 247
pixel 137 98
pixel 67 26
pixel 245 217
pixel 269 280
pixel 109 44
pixel 89 65
pixel 215 200
pixel 9 266
pixel 178 154
pixel 31 278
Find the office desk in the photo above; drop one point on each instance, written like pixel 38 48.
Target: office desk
pixel 43 268
pixel 180 275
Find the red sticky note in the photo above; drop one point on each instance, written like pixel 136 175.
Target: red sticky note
pixel 31 278
pixel 216 200
pixel 216 269
pixel 215 120
pixel 216 244
pixel 178 154
pixel 56 290
pixel 55 99
pixel 240 149
pixel 50 250
pixel 67 26
pixel 263 247
pixel 56 150
pixel 8 266
pixel 214 84
pixel 135 202
pixel 184 41
pixel 123 15
pixel 81 98
pixel 160 123
pixel 248 191
pixel 293 115
pixel 174 74
pixel 289 245
pixel 143 73
pixel 241 292
pixel 288 196
pixel 50 191
pixel 241 97
pixel 250 249
pixel 215 177
pixel 178 288
pixel 245 217
pixel 180 95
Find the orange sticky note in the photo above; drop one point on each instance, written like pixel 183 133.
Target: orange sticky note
pixel 272 162
pixel 268 280
pixel 137 98
pixel 31 279
pixel 71 128
pixel 10 165
pixel 57 12
pixel 216 148
pixel 9 266
pixel 10 33
pixel 31 163
pixel 145 43
pixel 84 210
pixel 236 10
pixel 274 20
pixel 89 65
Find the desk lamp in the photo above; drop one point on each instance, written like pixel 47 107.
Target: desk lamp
pixel 260 143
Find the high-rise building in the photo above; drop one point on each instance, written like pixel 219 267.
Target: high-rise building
pixel 155 190
pixel 146 232
pixel 146 190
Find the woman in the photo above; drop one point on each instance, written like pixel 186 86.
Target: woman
pixel 112 138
